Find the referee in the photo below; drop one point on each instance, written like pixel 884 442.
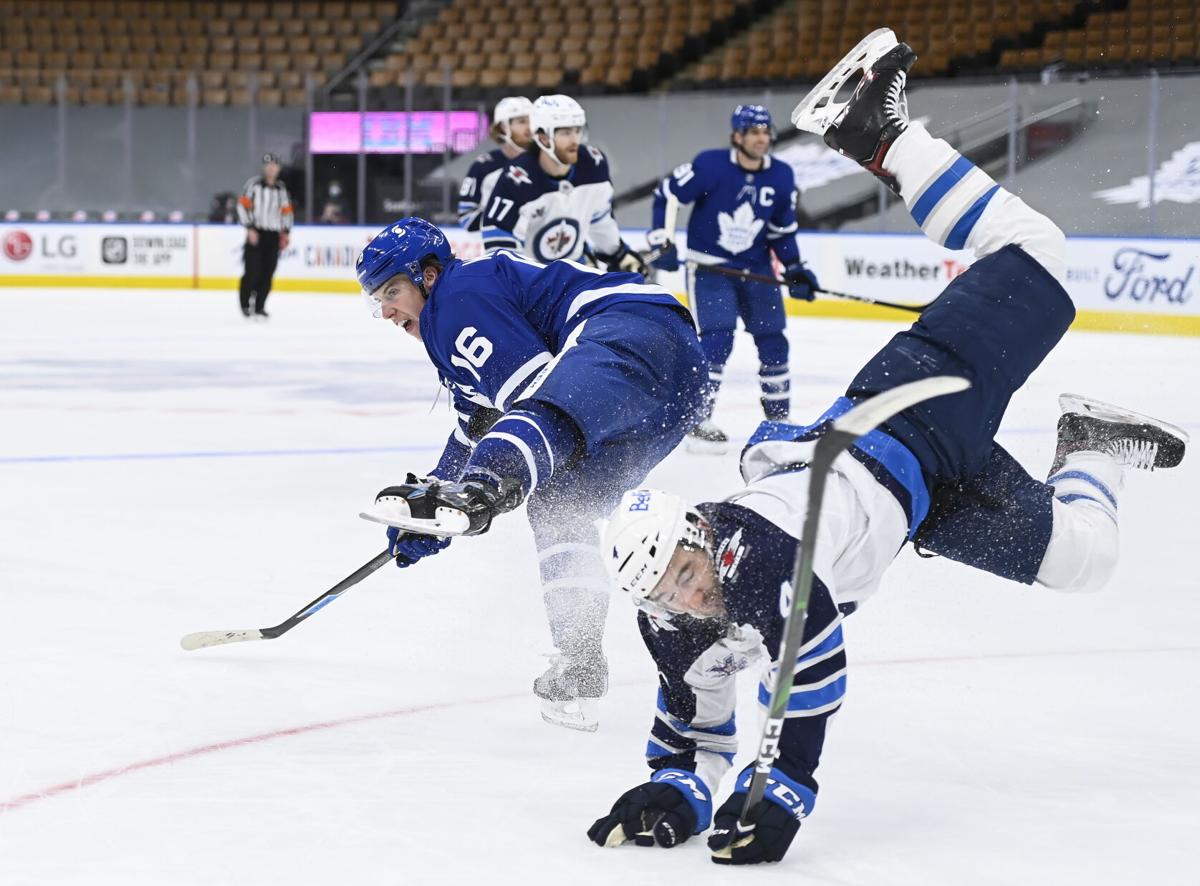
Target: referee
pixel 266 213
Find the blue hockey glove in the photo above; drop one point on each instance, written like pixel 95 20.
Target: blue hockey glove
pixel 408 549
pixel 801 282
pixel 785 803
pixel 665 256
pixel 665 811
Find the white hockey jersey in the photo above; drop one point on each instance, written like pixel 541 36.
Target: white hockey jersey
pixel 550 218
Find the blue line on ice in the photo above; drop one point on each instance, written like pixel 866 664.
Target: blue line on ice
pixel 232 453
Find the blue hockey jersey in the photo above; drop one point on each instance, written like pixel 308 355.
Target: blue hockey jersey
pixel 738 215
pixel 493 323
pixel 550 218
pixel 477 185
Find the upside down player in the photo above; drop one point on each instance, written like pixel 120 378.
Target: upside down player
pixel 710 579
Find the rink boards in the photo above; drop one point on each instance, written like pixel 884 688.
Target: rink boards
pixel 1119 284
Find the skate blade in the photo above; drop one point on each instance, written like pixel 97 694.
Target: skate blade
pixel 579 714
pixel 448 522
pixel 817 110
pixel 1081 405
pixel 697 446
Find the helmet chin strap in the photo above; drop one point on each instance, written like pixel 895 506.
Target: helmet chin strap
pixel 549 151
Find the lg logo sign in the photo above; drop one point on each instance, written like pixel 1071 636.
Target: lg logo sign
pixel 17 245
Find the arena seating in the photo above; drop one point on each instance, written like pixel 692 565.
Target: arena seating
pixel 592 45
pixel 153 47
pixel 235 52
pixel 1146 32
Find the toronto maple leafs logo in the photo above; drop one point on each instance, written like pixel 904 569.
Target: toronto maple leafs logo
pixel 739 230
pixel 518 175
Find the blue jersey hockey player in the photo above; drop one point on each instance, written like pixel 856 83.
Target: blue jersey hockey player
pixel 510 127
pixel 556 202
pixel 570 385
pixel 714 593
pixel 744 208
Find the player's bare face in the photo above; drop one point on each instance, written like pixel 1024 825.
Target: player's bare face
pixel 690 585
pixel 401 303
pixel 518 131
pixel 566 144
pixel 755 142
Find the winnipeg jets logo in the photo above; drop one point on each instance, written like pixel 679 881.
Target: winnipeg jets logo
pixel 739 230
pixel 729 556
pixel 728 666
pixel 518 175
pixel 557 239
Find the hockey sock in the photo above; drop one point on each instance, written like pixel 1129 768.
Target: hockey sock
pixel 775 386
pixel 945 192
pixel 1082 552
pixel 960 206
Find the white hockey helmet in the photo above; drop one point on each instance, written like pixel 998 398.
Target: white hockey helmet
pixel 511 106
pixel 551 112
pixel 640 539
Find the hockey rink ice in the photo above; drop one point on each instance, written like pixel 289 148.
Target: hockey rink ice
pixel 166 467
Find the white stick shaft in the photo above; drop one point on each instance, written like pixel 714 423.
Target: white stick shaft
pixel 671 218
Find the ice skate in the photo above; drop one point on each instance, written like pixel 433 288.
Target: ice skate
pixel 865 125
pixel 706 439
pixel 1134 440
pixel 570 689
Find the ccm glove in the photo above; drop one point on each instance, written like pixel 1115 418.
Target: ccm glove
pixel 665 811
pixel 666 256
pixel 801 282
pixel 624 259
pixel 785 802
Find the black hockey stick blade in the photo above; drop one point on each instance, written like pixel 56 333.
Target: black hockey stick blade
pixel 202 639
pixel 763 278
pixel 846 429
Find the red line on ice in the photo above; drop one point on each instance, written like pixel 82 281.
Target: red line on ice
pixel 234 743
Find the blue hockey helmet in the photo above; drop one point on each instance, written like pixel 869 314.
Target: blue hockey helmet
pixel 746 116
pixel 399 249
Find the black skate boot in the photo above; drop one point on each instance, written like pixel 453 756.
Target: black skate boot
pixel 570 687
pixel 864 127
pixel 1134 440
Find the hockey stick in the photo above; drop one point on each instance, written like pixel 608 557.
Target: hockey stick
pixel 847 429
pixel 201 639
pixel 762 278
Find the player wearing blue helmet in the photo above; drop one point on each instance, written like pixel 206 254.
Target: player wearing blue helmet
pixel 570 384
pixel 744 209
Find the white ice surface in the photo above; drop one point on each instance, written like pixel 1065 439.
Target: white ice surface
pixel 166 468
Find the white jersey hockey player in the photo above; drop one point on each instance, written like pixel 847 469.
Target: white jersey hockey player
pixel 556 202
pixel 714 581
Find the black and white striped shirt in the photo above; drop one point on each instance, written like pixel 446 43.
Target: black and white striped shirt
pixel 265 207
